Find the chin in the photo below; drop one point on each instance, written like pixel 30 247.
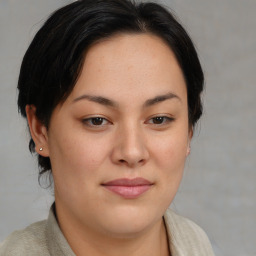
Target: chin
pixel 129 221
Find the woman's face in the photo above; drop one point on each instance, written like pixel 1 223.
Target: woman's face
pixel 119 142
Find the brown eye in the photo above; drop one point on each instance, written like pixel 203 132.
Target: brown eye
pixel 160 120
pixel 95 121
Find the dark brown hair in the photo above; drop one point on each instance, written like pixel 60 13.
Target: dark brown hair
pixel 53 61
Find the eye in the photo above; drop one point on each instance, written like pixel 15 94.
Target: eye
pixel 95 121
pixel 160 120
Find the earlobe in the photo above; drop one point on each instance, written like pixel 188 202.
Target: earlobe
pixel 38 131
pixel 188 150
pixel 190 135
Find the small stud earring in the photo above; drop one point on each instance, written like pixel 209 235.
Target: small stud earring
pixel 40 149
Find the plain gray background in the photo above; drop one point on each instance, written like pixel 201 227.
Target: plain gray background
pixel 219 186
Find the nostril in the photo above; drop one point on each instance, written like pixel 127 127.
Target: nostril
pixel 122 161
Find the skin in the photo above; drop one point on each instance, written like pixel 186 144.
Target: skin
pixel 128 142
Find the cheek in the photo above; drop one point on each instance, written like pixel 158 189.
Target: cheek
pixel 76 154
pixel 171 151
pixel 88 156
pixel 168 164
pixel 170 157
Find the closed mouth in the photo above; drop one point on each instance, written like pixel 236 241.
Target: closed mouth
pixel 128 188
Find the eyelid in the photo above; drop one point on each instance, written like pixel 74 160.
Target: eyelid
pixel 168 119
pixel 86 121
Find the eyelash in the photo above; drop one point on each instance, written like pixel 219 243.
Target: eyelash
pixel 166 118
pixel 103 121
pixel 89 121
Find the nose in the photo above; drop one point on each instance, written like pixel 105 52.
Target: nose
pixel 130 147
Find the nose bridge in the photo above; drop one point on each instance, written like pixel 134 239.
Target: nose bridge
pixel 132 138
pixel 131 148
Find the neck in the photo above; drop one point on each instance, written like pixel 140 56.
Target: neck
pixel 84 241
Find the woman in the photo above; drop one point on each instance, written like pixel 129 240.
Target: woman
pixel 111 92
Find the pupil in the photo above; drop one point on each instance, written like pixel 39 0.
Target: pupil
pixel 158 120
pixel 97 121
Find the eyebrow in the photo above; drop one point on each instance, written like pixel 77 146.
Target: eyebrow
pixel 98 99
pixel 161 98
pixel 110 103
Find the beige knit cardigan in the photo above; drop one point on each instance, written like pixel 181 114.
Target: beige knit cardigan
pixel 45 238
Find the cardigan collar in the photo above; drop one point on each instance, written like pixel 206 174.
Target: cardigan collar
pixel 58 245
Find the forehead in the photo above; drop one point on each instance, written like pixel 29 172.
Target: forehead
pixel 130 64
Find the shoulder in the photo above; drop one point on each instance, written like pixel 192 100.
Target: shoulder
pixel 185 236
pixel 29 241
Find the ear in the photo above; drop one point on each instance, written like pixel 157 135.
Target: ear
pixel 38 131
pixel 190 135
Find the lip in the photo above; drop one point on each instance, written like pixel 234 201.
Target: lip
pixel 128 188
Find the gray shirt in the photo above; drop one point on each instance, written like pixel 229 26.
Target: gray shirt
pixel 45 238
